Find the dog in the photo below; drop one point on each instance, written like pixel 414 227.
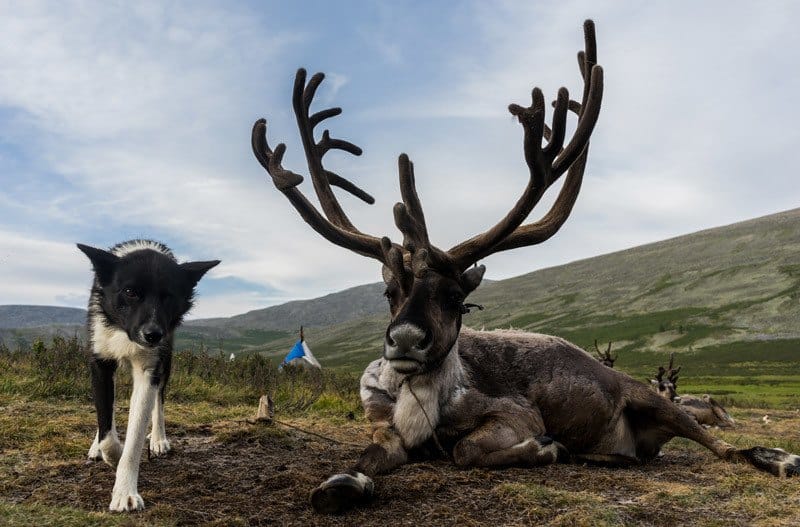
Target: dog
pixel 139 297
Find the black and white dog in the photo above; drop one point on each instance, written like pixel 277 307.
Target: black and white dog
pixel 139 297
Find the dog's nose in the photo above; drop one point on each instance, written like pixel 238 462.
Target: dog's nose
pixel 152 334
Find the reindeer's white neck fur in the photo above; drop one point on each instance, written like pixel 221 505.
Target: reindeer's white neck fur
pixel 433 390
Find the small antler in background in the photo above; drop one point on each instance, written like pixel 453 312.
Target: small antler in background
pixel 605 356
pixel 670 371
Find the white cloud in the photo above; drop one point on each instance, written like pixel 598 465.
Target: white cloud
pixel 40 271
pixel 141 116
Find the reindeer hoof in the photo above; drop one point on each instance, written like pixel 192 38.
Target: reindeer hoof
pixel 341 492
pixel 776 461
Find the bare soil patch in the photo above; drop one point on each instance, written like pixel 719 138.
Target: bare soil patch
pixel 237 473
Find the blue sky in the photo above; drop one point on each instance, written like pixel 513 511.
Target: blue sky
pixel 121 121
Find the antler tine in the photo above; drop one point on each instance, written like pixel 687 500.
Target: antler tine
pixel 410 218
pixel 597 349
pixel 546 164
pixel 673 372
pixel 589 109
pixel 543 229
pixel 303 96
pixel 418 234
pixel 287 181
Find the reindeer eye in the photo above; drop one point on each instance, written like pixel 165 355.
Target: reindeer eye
pixel 454 299
pixel 389 296
pixel 130 293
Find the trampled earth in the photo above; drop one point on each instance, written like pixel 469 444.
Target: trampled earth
pixel 235 472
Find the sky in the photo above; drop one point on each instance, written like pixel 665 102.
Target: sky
pixel 123 120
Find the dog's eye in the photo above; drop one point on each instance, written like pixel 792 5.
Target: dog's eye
pixel 130 293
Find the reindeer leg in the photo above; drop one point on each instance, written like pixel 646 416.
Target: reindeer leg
pixel 671 417
pixel 343 491
pixel 500 443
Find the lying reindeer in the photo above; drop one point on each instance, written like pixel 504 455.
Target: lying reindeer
pixel 704 409
pixel 493 398
pixel 605 356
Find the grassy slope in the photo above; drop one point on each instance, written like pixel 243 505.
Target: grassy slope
pixel 727 300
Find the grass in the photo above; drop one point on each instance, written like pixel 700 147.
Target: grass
pixel 227 470
pixel 60 370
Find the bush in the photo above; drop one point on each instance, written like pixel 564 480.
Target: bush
pixel 61 370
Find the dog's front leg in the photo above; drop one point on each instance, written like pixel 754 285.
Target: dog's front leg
pixel 125 496
pixel 159 445
pixel 106 445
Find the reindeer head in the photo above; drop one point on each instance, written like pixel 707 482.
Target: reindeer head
pixel 427 286
pixel 667 387
pixel 605 356
pixel 722 418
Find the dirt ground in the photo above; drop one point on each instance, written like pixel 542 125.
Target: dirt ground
pixel 239 473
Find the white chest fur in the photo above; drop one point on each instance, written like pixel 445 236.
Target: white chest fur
pixel 419 399
pixel 113 343
pixel 416 417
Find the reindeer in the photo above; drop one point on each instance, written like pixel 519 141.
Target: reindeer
pixel 605 357
pixel 494 398
pixel 667 388
pixel 704 409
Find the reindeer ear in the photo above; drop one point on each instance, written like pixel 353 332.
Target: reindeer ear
pixel 103 262
pixel 196 270
pixel 387 275
pixel 471 278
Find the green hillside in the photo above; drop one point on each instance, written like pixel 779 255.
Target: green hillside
pixel 726 300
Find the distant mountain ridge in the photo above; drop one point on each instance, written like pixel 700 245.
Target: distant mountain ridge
pixel 23 316
pixel 334 308
pixel 720 288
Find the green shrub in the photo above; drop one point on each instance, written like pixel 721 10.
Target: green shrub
pixel 60 369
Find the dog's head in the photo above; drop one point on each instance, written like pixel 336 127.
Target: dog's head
pixel 145 292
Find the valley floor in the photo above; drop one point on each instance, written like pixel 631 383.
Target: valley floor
pixel 225 470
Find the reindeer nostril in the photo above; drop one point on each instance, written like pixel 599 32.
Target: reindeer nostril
pixel 426 341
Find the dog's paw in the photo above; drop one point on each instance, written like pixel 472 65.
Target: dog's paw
pixel 159 447
pixel 125 500
pixel 94 451
pixel 341 492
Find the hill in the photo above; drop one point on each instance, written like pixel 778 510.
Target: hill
pixel 726 298
pixel 17 317
pixel 722 297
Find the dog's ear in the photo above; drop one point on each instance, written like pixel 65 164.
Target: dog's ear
pixel 196 270
pixel 103 262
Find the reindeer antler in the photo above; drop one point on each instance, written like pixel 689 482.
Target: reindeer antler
pixel 672 373
pixel 604 355
pixel 335 226
pixel 546 165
